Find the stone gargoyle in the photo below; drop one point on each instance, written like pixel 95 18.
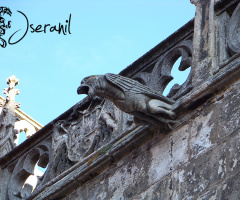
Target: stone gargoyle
pixel 145 104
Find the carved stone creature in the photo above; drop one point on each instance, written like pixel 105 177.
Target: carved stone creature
pixel 145 104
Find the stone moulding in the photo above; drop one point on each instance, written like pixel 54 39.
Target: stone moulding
pixel 101 159
pixel 26 117
pixel 94 164
pixel 24 168
pixel 127 138
pixel 41 135
pixel 230 71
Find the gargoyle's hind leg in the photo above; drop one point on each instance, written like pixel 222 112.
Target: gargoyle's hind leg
pixel 157 106
pixel 161 123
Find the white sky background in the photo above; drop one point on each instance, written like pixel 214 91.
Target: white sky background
pixel 107 36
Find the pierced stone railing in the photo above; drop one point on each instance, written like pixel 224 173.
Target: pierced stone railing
pixel 93 134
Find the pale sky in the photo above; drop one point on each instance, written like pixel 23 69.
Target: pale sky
pixel 106 36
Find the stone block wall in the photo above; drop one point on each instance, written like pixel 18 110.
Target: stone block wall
pixel 96 151
pixel 198 160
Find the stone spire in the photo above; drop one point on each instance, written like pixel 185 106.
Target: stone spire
pixel 7 116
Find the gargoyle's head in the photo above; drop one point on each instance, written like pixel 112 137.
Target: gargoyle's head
pixel 88 86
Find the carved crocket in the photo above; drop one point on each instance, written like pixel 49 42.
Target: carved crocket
pixel 132 97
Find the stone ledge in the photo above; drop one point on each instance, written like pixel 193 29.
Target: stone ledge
pixel 94 164
pixel 102 159
pixel 39 136
pixel 228 73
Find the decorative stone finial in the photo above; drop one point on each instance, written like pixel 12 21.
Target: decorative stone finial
pixel 12 81
pixel 11 92
pixel 7 117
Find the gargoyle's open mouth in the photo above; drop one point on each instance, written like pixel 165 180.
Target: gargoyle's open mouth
pixel 83 89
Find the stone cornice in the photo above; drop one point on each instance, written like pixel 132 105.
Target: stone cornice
pixel 24 116
pixel 230 70
pixel 94 164
pixel 101 159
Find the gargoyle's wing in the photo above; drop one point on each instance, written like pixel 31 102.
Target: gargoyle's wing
pixel 127 84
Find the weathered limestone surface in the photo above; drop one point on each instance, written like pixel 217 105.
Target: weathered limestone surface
pixel 7 117
pixel 198 160
pixel 114 148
